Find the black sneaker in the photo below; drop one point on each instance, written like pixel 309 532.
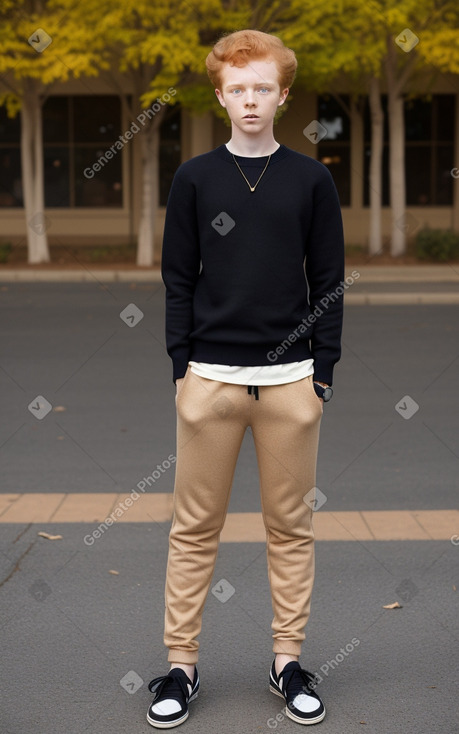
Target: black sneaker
pixel 173 692
pixel 297 687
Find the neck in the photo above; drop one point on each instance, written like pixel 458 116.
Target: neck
pixel 251 146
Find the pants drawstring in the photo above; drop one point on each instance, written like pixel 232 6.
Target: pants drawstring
pixel 253 390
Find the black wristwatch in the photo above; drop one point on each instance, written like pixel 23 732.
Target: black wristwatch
pixel 323 392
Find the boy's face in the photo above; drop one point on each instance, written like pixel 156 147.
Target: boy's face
pixel 251 90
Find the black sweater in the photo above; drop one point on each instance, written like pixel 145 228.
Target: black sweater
pixel 246 272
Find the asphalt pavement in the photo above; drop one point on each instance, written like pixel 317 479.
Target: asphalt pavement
pixel 81 625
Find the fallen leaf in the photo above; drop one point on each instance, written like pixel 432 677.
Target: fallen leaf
pixel 115 573
pixel 454 588
pixel 395 605
pixel 49 537
pixel 362 722
pixel 59 408
pixel 431 686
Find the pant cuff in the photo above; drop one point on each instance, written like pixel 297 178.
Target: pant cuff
pixel 189 657
pixel 288 647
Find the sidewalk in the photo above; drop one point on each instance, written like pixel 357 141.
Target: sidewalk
pixel 381 285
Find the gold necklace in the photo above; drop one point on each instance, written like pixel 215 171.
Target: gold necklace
pixel 252 188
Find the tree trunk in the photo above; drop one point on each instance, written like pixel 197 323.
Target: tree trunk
pixel 396 154
pixel 33 174
pixel 149 139
pixel 397 176
pixel 375 182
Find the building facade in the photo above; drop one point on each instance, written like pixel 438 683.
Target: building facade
pixel 80 124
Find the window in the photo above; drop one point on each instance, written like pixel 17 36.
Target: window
pixel 335 147
pixel 77 130
pixel 10 160
pixel 429 151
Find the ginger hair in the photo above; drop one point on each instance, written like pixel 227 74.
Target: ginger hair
pixel 241 47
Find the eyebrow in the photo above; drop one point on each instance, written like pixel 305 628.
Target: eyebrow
pixel 259 84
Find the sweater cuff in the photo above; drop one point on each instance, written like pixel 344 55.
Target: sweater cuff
pixel 179 369
pixel 323 372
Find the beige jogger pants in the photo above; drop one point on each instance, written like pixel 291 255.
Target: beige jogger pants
pixel 212 418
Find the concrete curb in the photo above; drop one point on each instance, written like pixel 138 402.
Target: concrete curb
pixel 401 299
pixel 406 273
pixel 367 274
pixel 78 276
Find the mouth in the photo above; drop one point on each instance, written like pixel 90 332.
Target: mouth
pixel 250 117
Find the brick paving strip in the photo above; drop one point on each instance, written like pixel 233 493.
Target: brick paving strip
pixel 242 527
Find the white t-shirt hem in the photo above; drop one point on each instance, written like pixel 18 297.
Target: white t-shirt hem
pixel 270 374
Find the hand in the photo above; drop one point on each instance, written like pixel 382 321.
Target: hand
pixel 323 384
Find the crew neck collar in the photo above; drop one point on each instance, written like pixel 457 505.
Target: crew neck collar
pixel 223 151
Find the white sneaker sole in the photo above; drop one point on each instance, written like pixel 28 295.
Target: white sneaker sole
pixel 171 724
pixel 293 716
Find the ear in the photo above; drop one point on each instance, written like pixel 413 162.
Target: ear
pixel 220 97
pixel 283 96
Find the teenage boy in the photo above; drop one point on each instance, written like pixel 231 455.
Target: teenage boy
pixel 253 266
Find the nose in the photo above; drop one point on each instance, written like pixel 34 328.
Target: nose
pixel 250 99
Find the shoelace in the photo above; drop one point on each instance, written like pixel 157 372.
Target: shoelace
pixel 298 681
pixel 176 687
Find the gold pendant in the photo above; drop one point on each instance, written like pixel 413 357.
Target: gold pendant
pixel 252 188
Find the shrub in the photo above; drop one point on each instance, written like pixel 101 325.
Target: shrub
pixel 5 251
pixel 439 245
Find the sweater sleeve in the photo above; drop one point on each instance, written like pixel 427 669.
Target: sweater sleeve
pixel 325 274
pixel 180 265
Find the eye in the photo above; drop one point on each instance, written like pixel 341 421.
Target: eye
pixel 235 91
pixel 264 89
